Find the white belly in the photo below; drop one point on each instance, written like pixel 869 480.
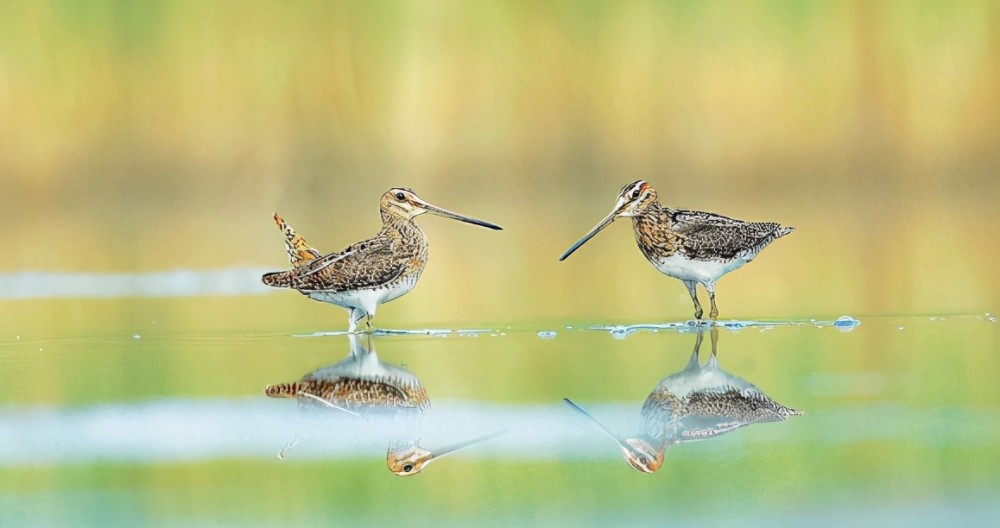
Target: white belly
pixel 683 268
pixel 366 299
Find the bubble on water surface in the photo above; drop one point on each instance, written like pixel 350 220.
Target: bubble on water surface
pixel 846 323
pixel 547 334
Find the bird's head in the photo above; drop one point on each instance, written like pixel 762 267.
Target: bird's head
pixel 633 200
pixel 404 203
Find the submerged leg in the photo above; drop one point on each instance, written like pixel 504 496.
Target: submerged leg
pixel 692 289
pixel 714 312
pixel 288 447
pixel 693 361
pixel 355 316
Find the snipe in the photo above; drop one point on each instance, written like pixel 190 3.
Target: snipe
pixel 368 273
pixel 694 246
pixel 364 386
pixel 699 402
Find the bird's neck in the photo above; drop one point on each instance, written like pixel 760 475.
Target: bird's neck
pixel 407 236
pixel 399 223
pixel 654 232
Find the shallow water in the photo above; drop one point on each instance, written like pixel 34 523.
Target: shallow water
pixel 152 412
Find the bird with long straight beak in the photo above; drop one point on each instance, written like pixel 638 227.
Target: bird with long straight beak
pixel 371 272
pixel 696 403
pixel 639 453
pixel 695 247
pixel 407 459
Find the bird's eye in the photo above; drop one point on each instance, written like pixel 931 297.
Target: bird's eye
pixel 400 196
pixel 635 194
pixel 407 468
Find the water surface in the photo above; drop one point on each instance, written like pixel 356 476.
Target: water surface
pixel 152 411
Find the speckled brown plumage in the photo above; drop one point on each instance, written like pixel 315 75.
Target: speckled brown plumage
pixel 399 249
pixel 711 412
pixel 356 392
pixel 370 272
pixel 705 401
pixel 360 380
pixel 695 247
pixel 661 232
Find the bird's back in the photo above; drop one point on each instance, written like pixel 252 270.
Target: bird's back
pixel 709 236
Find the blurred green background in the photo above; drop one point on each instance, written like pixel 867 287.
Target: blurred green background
pixel 141 136
pixel 150 136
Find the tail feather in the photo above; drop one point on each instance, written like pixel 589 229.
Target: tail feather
pixel 278 279
pixel 299 251
pixel 283 390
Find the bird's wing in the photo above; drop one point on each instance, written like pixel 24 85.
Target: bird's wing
pixel 362 265
pixel 707 235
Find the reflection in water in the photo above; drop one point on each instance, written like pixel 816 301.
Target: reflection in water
pixel 377 392
pixel 696 403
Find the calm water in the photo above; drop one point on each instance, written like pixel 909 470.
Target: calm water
pixel 152 412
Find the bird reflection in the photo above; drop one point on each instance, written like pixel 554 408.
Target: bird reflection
pixel 699 402
pixel 364 386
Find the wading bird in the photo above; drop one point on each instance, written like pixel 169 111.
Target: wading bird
pixel 361 385
pixel 368 273
pixel 693 246
pixel 696 403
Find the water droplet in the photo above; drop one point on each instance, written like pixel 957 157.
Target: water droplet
pixel 900 328
pixel 547 334
pixel 569 327
pixel 136 336
pixel 990 317
pixel 846 322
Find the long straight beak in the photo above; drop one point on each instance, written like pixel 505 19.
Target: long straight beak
pixel 601 225
pixel 455 216
pixel 602 427
pixel 440 453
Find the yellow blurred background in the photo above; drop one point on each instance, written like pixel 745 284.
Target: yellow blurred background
pixel 148 136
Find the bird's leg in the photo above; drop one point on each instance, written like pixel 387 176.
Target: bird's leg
pixel 697 345
pixel 368 324
pixel 714 312
pixel 692 289
pixel 356 315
